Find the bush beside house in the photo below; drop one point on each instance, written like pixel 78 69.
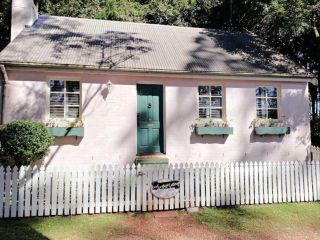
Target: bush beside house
pixel 23 142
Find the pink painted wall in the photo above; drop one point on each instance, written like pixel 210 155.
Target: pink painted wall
pixel 110 119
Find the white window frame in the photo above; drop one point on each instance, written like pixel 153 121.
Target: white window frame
pixel 266 97
pixel 65 106
pixel 223 102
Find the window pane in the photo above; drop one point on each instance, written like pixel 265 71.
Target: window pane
pixel 72 112
pixel 203 90
pixel 261 103
pixel 204 102
pixel 216 102
pixel 272 103
pixel 272 113
pixel 216 90
pixel 56 99
pixel 57 112
pixel 271 92
pixel 73 86
pixel 73 99
pixel 204 112
pixel 216 113
pixel 260 91
pixel 57 86
pixel 262 113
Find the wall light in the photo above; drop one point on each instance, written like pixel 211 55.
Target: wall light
pixel 109 86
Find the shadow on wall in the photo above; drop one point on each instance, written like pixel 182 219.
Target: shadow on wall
pixel 27 109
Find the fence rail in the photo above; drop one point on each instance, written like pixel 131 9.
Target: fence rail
pixel 43 192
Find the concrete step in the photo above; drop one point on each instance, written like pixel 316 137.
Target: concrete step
pixel 152 159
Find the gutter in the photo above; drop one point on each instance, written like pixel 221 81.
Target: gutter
pixel 155 71
pixel 3 81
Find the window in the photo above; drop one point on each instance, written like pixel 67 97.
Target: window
pixel 267 102
pixel 210 101
pixel 64 99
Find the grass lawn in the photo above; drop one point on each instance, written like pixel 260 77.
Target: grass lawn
pixel 276 221
pixel 263 220
pixel 75 227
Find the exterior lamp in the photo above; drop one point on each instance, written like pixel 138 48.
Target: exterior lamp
pixel 109 86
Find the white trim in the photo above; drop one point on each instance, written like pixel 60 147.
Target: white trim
pixel 209 76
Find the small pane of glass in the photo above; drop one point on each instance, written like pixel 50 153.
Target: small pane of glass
pixel 204 102
pixel 273 113
pixel 272 103
pixel 261 103
pixel 216 90
pixel 204 112
pixel 216 113
pixel 216 102
pixel 262 113
pixel 271 92
pixel 203 90
pixel 73 99
pixel 72 112
pixel 56 112
pixel 73 86
pixel 56 99
pixel 56 86
pixel 260 91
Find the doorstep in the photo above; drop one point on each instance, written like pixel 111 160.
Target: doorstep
pixel 158 158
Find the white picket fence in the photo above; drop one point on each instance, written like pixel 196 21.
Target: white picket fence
pixel 44 192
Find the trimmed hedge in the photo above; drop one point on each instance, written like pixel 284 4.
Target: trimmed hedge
pixel 24 141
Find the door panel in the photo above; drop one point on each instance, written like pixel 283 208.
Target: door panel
pixel 149 118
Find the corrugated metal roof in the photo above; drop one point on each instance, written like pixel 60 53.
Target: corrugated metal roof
pixel 112 44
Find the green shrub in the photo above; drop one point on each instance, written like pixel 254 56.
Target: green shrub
pixel 25 141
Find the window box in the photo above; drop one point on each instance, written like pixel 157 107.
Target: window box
pixel 271 130
pixel 66 131
pixel 214 130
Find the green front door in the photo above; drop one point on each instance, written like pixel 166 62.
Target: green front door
pixel 149 119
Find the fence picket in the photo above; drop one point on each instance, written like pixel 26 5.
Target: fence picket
pixel 212 185
pixel 237 183
pixel 192 198
pixel 133 185
pixel 274 182
pixel 67 193
pixel 85 207
pixel 218 187
pixel 288 178
pixel 80 191
pixel 305 181
pixel 116 189
pixel 144 188
pixel 104 189
pixel 301 176
pixel 309 166
pixel 296 181
pixel 251 179
pixel 265 183
pixel 121 189
pixel 139 187
pixel 279 174
pixel 202 194
pixel 292 179
pixel 7 193
pixel 110 186
pixel 314 182
pixel 73 189
pixel 54 192
pixel 227 184
pixel 187 186
pixel 14 192
pixel 318 177
pixel 60 192
pixel 41 192
pixel 171 200
pixel 284 182
pixel 207 184
pixel 180 176
pixel 47 206
pixel 246 182
pixel 97 190
pixel 270 171
pixel 127 189
pixel 21 191
pixel 256 182
pixel 27 193
pixel 222 185
pixel 149 194
pixel 242 186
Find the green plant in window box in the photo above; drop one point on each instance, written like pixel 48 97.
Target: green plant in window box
pixel 268 126
pixel 212 127
pixel 60 127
